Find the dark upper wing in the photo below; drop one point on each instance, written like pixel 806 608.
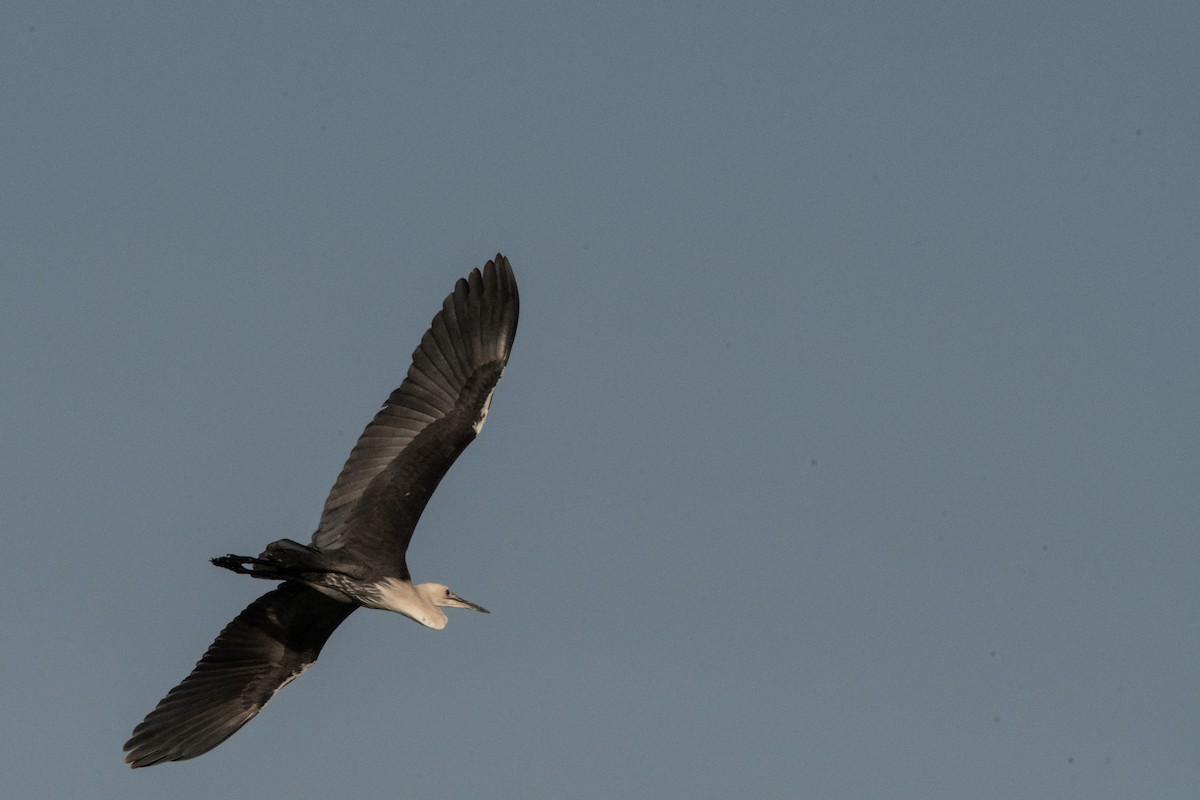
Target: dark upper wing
pixel 276 638
pixel 424 425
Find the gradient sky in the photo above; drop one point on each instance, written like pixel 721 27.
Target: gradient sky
pixel 849 448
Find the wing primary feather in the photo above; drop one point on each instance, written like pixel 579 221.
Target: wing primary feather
pixel 478 317
pixel 453 318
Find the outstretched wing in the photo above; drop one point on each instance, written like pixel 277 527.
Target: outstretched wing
pixel 276 638
pixel 424 425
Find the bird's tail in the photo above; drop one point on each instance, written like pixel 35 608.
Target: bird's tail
pixel 282 560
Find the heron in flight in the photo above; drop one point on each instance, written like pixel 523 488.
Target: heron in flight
pixel 356 557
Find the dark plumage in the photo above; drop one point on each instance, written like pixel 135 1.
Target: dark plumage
pixel 357 555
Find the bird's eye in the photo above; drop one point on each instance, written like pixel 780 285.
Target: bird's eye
pixel 447 593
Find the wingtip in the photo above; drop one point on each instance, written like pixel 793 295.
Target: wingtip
pixel 500 264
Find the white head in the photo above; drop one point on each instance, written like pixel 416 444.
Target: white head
pixel 439 596
pixel 422 602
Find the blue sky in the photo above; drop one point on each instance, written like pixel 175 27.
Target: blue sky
pixel 848 448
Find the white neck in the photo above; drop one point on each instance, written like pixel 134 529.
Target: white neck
pixel 414 602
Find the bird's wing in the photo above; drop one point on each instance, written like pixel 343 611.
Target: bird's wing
pixel 424 425
pixel 276 638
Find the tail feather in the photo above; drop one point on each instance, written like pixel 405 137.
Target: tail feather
pixel 287 560
pixel 248 565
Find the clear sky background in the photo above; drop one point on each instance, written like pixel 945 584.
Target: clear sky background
pixel 850 446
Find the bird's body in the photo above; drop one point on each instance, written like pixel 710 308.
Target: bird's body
pixel 357 555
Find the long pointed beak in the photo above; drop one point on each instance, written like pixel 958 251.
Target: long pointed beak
pixel 469 604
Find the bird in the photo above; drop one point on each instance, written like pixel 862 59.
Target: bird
pixel 357 555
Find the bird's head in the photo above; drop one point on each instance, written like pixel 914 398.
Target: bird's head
pixel 441 595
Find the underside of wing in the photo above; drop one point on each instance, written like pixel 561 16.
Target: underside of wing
pixel 276 638
pixel 428 420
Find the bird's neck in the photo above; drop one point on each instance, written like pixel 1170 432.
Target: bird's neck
pixel 393 594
